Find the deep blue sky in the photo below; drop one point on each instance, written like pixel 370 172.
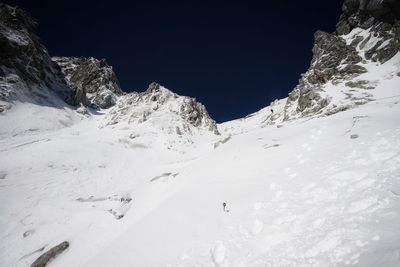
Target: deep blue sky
pixel 233 56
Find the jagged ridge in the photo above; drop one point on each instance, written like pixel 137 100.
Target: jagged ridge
pixel 93 80
pixel 347 65
pixel 368 31
pixel 162 108
pixel 338 58
pixel 29 74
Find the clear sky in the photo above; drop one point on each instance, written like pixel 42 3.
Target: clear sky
pixel 233 56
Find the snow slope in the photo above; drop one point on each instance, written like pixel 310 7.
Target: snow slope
pixel 62 171
pixel 310 180
pixel 379 81
pixel 320 191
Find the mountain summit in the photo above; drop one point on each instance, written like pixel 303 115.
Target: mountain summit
pixel 29 74
pixel 162 108
pixel 368 33
pixel 352 66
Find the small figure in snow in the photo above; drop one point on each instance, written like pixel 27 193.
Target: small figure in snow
pixel 224 207
pixel 272 111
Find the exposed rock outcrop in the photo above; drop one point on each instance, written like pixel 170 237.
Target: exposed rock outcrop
pixel 366 13
pixel 27 72
pixel 26 68
pixel 368 31
pixel 93 81
pixel 382 17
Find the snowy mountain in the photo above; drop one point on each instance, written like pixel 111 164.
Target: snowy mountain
pixel 344 61
pixel 29 75
pixel 92 176
pixel 162 108
pixel 350 67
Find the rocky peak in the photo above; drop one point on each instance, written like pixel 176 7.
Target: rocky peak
pixel 93 81
pixel 160 107
pixel 380 19
pixel 25 65
pixel 153 87
pixel 365 13
pixel 367 31
pixel 27 72
pixel 190 110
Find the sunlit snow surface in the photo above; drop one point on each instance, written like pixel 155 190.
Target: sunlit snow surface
pixel 322 191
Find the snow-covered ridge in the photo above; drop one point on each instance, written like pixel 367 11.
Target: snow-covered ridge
pixel 161 109
pixel 28 74
pixel 362 44
pixel 352 66
pixel 366 37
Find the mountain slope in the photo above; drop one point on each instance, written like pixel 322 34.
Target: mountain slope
pixel 322 192
pixel 34 85
pixel 310 193
pixel 311 180
pixel 356 64
pixel 362 40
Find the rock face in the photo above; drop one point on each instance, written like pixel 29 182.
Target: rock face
pixel 368 31
pixel 366 13
pixel 26 68
pixel 93 81
pixel 159 107
pixel 382 17
pixel 27 72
